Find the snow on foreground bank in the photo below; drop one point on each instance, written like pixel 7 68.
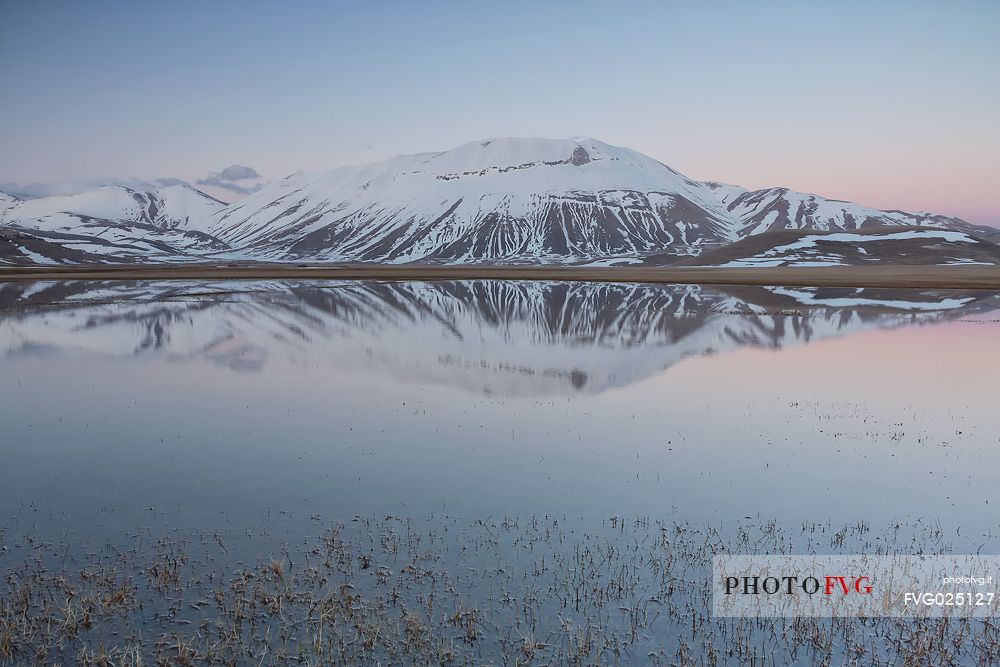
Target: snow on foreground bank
pixel 809 297
pixel 823 250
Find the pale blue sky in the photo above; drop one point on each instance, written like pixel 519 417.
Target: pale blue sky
pixel 893 104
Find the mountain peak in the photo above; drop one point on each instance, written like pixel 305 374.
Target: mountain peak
pixel 513 151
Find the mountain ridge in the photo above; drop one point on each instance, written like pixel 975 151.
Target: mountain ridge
pixel 509 200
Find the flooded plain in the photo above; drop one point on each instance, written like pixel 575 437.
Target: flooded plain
pixel 478 471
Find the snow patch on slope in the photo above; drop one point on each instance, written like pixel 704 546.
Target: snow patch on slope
pixel 809 297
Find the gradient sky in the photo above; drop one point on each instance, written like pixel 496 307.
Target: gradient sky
pixel 891 104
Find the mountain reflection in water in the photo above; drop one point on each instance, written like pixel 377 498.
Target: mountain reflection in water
pixel 486 336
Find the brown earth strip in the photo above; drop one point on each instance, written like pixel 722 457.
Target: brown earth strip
pixel 925 277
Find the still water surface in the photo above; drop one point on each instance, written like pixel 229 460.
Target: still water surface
pixel 207 402
pixel 269 411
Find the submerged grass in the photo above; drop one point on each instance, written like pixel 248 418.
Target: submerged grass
pixel 388 590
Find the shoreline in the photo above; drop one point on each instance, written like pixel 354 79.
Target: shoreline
pixel 896 276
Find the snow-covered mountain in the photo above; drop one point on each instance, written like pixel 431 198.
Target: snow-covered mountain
pixel 776 209
pixel 485 336
pixel 170 207
pixel 112 221
pixel 499 199
pixel 496 200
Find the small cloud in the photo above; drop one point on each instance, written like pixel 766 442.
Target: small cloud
pixel 236 178
pixel 237 172
pixel 214 181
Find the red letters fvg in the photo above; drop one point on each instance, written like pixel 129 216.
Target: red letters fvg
pixel 846 585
